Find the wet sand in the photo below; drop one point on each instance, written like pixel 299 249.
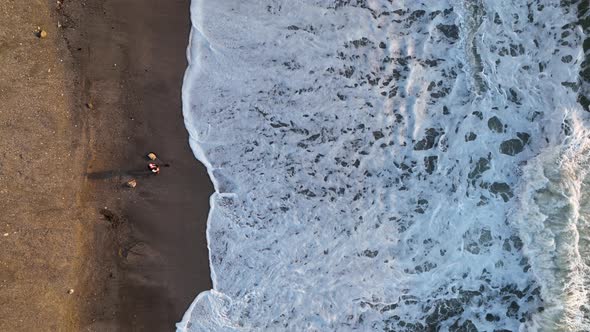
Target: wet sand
pixel 135 257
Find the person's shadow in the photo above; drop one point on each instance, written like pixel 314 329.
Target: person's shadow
pixel 103 175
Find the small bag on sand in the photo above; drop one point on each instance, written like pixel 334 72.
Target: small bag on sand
pixel 131 183
pixel 152 156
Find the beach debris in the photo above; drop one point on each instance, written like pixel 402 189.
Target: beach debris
pixel 152 156
pixel 71 291
pixel 6 234
pixel 131 183
pixel 113 219
pixel 89 105
pixel 40 33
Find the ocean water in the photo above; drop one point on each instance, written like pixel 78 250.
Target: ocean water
pixel 386 165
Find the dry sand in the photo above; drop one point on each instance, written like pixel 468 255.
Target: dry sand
pixel 135 258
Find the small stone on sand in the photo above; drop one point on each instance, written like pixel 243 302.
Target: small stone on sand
pixel 152 156
pixel 42 34
pixel 131 183
pixel 71 291
pixel 90 105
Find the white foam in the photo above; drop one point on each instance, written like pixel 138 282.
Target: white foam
pixel 350 191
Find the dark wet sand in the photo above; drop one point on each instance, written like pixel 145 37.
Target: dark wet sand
pixel 171 216
pixel 131 55
pixel 78 250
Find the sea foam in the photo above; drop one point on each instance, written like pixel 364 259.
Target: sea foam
pixel 391 165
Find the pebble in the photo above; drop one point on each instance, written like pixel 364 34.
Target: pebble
pixel 71 291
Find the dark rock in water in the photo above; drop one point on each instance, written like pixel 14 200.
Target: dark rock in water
pixel 473 248
pixel 378 135
pixel 431 86
pixel 513 289
pixel 348 71
pixel 430 163
pixel 480 167
pixel 585 73
pixel 495 125
pixel 449 30
pixel 427 266
pixel 307 193
pixel 483 200
pixel 392 92
pixel 444 310
pixel 492 318
pixel 485 238
pixel 513 310
pixel 567 59
pixel 416 15
pixel 421 206
pixel 469 295
pixel 313 137
pixel 572 85
pixel 428 141
pixel 432 63
pixel 467 326
pixel 516 50
pixel 542 67
pixel 497 19
pixel 279 124
pixel 502 189
pixel 513 96
pixel 382 45
pixel 370 253
pixel 389 307
pixel 361 42
pixel 524 262
pixel 446 110
pixel 585 102
pixel 524 137
pixel 517 242
pixel 512 147
pixel 471 136
pixel 506 246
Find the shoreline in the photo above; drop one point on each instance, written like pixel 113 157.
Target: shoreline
pixel 134 259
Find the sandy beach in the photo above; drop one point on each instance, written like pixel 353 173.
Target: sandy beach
pixel 80 110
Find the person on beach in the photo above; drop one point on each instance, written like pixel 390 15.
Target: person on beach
pixel 154 168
